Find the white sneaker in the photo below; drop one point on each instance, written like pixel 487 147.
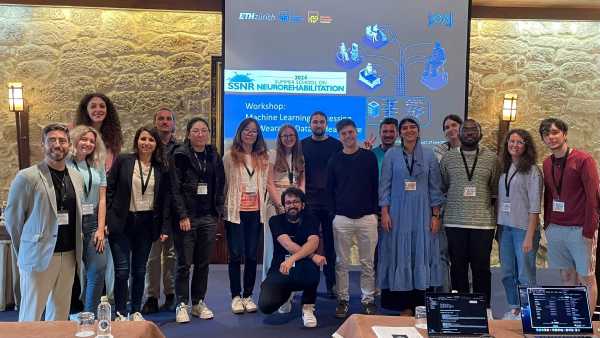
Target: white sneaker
pixel 287 306
pixel 137 317
pixel 237 305
pixel 120 318
pixel 202 311
pixel 249 304
pixel 181 313
pixel 308 315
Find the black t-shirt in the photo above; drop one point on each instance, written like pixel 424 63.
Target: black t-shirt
pixel 203 203
pixel 298 232
pixel 316 156
pixel 65 202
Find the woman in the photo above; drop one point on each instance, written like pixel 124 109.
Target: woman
pixel 410 197
pixel 519 207
pixel 246 164
pixel 286 169
pixel 97 110
pixel 88 151
pixel 450 127
pixel 137 184
pixel 197 183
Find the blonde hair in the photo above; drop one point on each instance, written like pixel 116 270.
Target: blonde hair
pixel 98 156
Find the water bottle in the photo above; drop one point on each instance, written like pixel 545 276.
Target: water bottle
pixel 103 329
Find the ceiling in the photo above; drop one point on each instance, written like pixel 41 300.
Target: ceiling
pixel 539 3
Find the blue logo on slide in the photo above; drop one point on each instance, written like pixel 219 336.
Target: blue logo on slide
pixel 440 19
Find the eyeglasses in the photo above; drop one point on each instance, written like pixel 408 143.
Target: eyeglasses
pixel 250 131
pixel 288 137
pixel 293 202
pixel 519 143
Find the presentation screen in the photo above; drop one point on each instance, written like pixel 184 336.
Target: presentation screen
pixel 363 60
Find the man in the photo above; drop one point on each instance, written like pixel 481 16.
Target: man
pixel 43 218
pixel 317 150
pixel 469 178
pixel 352 184
pixel 571 202
pixel 388 133
pixel 295 265
pixel 162 254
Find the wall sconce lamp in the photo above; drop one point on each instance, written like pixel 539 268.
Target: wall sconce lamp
pixel 509 108
pixel 16 104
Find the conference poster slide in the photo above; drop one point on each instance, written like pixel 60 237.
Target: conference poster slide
pixel 363 60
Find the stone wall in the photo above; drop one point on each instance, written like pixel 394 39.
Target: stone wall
pixel 141 59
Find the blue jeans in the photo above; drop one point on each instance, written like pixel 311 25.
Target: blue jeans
pixel 517 268
pixel 95 264
pixel 135 243
pixel 242 240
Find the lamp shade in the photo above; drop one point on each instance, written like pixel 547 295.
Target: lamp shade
pixel 15 96
pixel 509 108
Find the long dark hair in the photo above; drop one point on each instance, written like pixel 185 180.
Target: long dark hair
pixel 297 156
pixel 158 155
pixel 529 157
pixel 259 148
pixel 111 126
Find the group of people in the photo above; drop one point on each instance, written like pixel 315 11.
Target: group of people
pixel 421 218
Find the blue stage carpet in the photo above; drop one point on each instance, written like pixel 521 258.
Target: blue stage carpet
pixel 257 325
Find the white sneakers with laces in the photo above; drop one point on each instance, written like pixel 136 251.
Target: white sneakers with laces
pixel 202 311
pixel 249 305
pixel 181 313
pixel 308 315
pixel 137 317
pixel 237 306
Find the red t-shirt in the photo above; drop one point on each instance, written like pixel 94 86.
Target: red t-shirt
pixel 579 191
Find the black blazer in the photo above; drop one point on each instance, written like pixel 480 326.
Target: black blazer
pixel 118 194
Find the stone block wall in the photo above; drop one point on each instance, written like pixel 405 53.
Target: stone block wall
pixel 142 60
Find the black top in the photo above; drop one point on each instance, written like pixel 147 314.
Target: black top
pixel 352 184
pixel 66 201
pixel 190 169
pixel 298 233
pixel 316 156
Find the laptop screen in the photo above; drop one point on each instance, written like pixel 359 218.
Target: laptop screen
pixel 555 310
pixel 456 313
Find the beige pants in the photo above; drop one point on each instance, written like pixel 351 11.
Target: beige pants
pixel 50 289
pixel 161 259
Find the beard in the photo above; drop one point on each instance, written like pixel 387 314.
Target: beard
pixel 318 132
pixel 292 214
pixel 56 154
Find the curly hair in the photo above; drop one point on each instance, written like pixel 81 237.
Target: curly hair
pixel 98 156
pixel 158 155
pixel 297 156
pixel 111 126
pixel 259 148
pixel 529 157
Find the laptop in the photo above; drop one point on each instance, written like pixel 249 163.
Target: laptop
pixel 551 311
pixel 456 315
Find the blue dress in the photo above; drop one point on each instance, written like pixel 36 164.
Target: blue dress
pixel 409 255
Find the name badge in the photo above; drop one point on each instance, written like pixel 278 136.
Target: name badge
pixel 202 189
pixel 144 205
pixel 470 192
pixel 251 188
pixel 558 206
pixel 288 256
pixel 506 207
pixel 63 218
pixel 87 208
pixel 410 185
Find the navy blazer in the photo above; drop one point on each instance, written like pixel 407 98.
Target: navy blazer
pixel 118 195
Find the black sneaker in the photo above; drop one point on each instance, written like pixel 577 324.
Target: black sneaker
pixel 151 306
pixel 341 311
pixel 369 308
pixel 169 304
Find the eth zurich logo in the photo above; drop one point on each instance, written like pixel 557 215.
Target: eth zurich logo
pixel 240 82
pixel 253 16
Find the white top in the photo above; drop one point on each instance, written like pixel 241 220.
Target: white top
pixel 139 201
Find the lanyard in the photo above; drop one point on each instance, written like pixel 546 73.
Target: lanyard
pixel 144 185
pixel 562 166
pixel 291 171
pixel 201 164
pixel 470 174
pixel 62 190
pixel 412 163
pixel 507 181
pixel 250 173
pixel 88 188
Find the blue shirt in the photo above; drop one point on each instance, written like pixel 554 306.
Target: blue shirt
pixel 91 194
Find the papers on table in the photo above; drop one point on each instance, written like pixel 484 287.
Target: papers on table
pixel 396 332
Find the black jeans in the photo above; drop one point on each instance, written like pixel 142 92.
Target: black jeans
pixel 470 247
pixel 242 240
pixel 277 287
pixel 194 247
pixel 135 243
pixel 328 247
